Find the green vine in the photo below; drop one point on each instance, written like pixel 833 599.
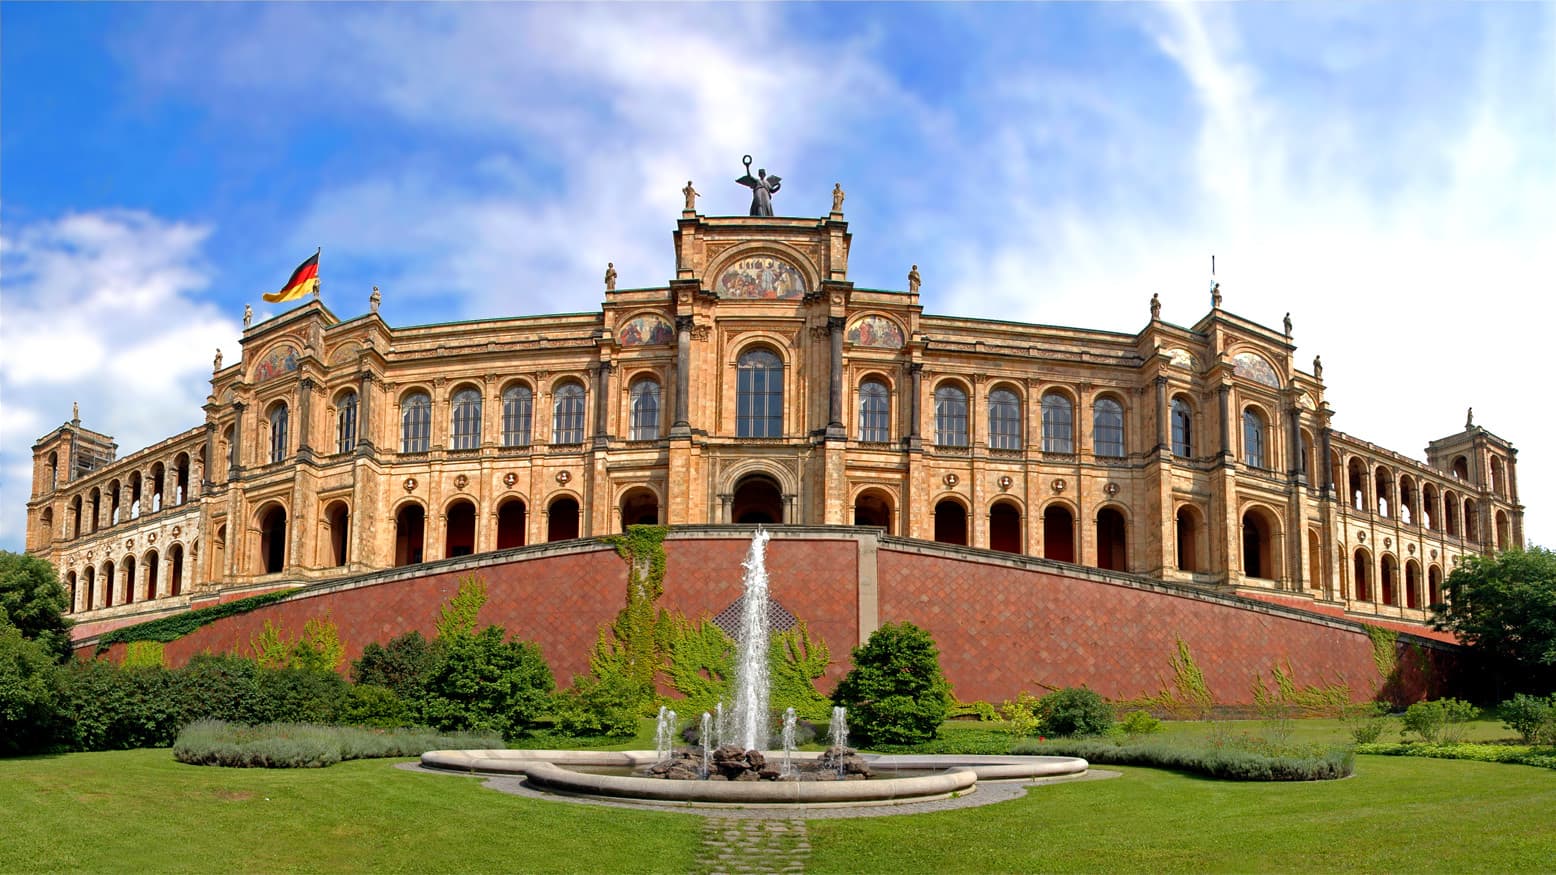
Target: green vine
pixel 1384 653
pixel 633 646
pixel 700 664
pixel 172 628
pixel 459 614
pixel 795 661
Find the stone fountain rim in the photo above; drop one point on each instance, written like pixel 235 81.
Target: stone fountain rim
pixel 548 769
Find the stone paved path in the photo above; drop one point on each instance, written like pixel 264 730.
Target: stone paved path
pixel 750 846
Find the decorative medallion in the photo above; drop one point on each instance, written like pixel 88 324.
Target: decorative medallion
pixel 1005 482
pixel 510 478
pixel 646 330
pixel 178 530
pixel 1387 543
pixel 876 331
pixel 562 477
pixel 952 480
pixel 761 276
pixel 1412 549
pixel 1361 536
pixel 1252 366
pixel 1059 484
pixel 1434 554
pixel 1111 489
pixel 152 538
pixel 461 481
pixel 409 484
pixel 129 544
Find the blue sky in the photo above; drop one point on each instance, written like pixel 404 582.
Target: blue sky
pixel 1385 172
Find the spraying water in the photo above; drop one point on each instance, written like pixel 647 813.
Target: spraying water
pixel 838 729
pixel 720 725
pixel 751 720
pixel 788 742
pixel 706 737
pixel 664 733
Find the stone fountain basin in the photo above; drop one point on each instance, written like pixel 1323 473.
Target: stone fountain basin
pixel 555 770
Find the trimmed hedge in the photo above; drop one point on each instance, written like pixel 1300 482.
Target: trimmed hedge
pixel 307 745
pixel 172 628
pixel 1226 763
pixel 1544 758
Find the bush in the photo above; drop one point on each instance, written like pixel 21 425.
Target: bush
pixel 895 693
pixel 1485 753
pixel 1227 763
pixel 1366 721
pixel 1527 715
pixel 1439 719
pixel 600 707
pixel 114 708
pixel 371 705
pixel 212 687
pixel 300 695
pixel 302 745
pixel 404 665
pixel 1020 715
pixel 32 698
pixel 1074 711
pixel 487 684
pixel 979 710
pixel 1138 723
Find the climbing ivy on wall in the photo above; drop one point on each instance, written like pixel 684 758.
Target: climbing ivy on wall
pixel 633 646
pixel 1384 655
pixel 700 664
pixel 177 626
pixel 795 661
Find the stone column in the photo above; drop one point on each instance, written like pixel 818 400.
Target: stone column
pixel 601 406
pixel 1327 464
pixel 915 402
pixel 683 377
pixel 835 429
pixel 304 417
pixel 1163 423
pixel 364 415
pixel 235 452
pixel 1294 442
pixel 1224 399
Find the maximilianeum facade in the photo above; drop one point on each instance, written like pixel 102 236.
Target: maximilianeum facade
pixel 761 386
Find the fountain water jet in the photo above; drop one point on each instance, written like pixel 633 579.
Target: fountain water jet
pixel 752 727
pixel 788 743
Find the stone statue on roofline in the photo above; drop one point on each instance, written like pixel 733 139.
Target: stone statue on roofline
pixel 1469 419
pixel 837 197
pixel 216 363
pixel 691 197
pixel 374 300
pixel 913 279
pixel 763 187
pixel 1318 366
pixel 610 276
pixel 1287 323
pixel 1156 306
pixel 248 316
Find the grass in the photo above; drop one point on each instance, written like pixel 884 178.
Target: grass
pixel 141 811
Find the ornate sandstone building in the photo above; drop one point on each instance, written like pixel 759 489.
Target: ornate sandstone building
pixel 761 386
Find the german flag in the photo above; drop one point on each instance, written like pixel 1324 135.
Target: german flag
pixel 304 280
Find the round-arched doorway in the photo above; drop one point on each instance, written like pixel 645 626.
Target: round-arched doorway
pixel 757 501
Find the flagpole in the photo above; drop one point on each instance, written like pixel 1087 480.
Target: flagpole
pixel 318 281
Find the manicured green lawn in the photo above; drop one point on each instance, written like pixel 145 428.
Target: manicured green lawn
pixel 139 811
pixel 1393 815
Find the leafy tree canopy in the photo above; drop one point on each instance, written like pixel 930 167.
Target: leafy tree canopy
pixel 1504 607
pixel 32 600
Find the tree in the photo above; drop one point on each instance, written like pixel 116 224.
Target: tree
pixel 487 683
pixel 32 702
pixel 895 693
pixel 32 600
pixel 1504 608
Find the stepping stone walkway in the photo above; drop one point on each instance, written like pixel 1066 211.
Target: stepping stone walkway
pixel 748 846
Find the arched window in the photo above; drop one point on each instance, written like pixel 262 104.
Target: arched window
pixel 346 423
pixel 518 405
pixel 1182 428
pixel 950 417
pixel 567 415
pixel 759 394
pixel 416 423
pixel 1004 420
pixel 1253 438
pixel 466 412
pixel 1058 423
pixel 1107 421
pixel 278 423
pixel 874 412
pixel 644 398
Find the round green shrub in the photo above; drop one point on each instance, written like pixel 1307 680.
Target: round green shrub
pixel 1074 711
pixel 895 693
pixel 33 701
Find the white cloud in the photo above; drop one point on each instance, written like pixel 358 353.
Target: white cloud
pixel 100 308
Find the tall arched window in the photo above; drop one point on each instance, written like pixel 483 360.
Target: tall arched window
pixel 759 394
pixel 950 417
pixel 644 398
pixel 567 415
pixel 1058 423
pixel 346 423
pixel 1107 428
pixel 416 423
pixel 1182 428
pixel 1004 420
pixel 1253 438
pixel 278 423
pixel 518 404
pixel 874 412
pixel 466 413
